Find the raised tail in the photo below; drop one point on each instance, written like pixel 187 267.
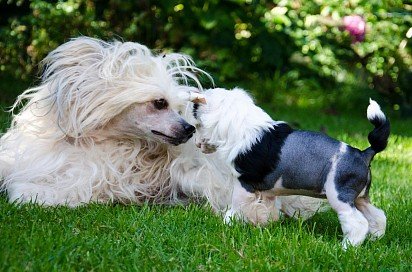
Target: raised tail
pixel 378 137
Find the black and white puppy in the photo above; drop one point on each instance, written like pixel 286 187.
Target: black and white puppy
pixel 269 159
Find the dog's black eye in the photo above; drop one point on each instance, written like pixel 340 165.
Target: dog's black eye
pixel 160 104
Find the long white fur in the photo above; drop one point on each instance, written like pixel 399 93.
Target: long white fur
pixel 56 150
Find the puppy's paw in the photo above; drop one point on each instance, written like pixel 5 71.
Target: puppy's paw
pixel 205 146
pixel 208 149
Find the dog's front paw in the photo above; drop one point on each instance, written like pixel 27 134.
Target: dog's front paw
pixel 205 146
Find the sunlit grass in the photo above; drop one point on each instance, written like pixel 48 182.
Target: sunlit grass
pixel 164 238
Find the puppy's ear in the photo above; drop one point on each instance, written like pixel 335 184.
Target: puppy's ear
pixel 197 98
pixel 193 94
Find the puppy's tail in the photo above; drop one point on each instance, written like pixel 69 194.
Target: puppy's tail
pixel 378 137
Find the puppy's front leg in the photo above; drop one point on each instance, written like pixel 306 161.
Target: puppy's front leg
pixel 256 208
pixel 240 198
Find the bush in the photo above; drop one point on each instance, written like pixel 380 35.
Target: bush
pixel 238 40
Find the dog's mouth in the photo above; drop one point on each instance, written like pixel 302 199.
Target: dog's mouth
pixel 173 140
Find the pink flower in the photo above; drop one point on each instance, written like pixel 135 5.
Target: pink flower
pixel 356 27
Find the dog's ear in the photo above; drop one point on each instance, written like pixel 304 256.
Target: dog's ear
pixel 78 52
pixel 78 75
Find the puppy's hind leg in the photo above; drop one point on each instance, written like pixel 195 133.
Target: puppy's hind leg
pixel 354 224
pixel 376 217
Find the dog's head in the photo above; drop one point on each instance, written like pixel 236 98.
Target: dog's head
pixel 229 120
pixel 155 119
pixel 118 89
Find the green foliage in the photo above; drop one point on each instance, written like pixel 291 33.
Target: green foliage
pixel 237 40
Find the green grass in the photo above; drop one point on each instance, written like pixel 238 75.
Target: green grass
pixel 187 238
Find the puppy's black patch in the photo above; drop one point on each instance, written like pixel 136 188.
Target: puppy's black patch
pixel 255 164
pixel 195 108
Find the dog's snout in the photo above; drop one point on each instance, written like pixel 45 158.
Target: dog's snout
pixel 189 129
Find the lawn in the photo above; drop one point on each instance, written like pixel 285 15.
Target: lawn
pixel 187 238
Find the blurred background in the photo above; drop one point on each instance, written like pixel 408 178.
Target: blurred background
pixel 331 53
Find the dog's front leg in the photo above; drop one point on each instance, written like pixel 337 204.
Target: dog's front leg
pixel 256 208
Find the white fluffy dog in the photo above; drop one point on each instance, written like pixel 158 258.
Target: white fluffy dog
pixel 267 159
pixel 104 126
pixel 100 127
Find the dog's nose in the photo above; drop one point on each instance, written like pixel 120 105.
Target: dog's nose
pixel 189 129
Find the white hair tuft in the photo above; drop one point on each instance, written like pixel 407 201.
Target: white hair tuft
pixel 374 111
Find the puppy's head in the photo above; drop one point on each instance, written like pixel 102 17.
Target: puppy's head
pixel 120 89
pixel 229 121
pixel 221 117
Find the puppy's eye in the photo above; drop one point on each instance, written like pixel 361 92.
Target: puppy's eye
pixel 160 104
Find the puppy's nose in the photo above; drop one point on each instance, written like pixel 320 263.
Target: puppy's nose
pixel 189 129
